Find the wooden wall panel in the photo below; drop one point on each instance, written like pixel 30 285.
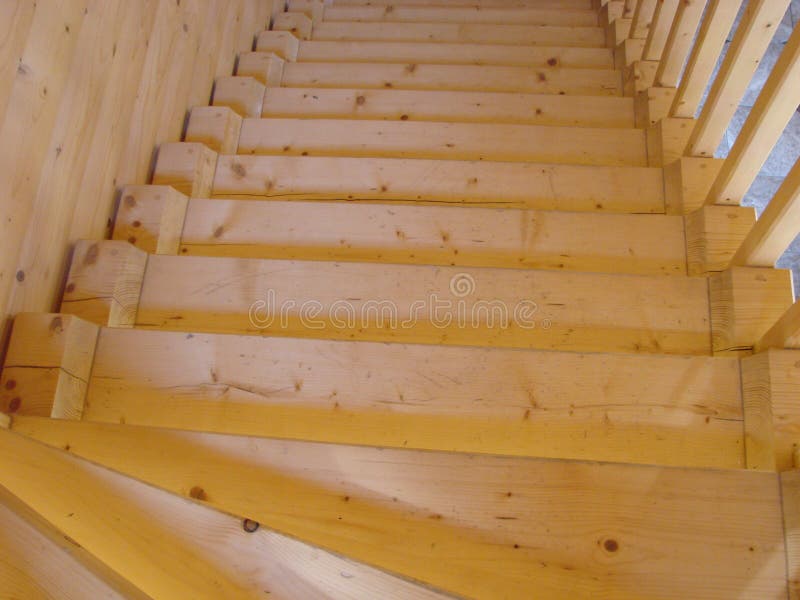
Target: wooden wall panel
pixel 88 89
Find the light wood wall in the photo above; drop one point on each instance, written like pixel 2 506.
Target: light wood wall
pixel 88 89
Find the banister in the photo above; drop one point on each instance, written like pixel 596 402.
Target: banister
pixel 679 42
pixel 659 29
pixel 716 25
pixel 777 227
pixel 768 118
pixel 753 35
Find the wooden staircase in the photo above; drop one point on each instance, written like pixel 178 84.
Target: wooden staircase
pixel 426 304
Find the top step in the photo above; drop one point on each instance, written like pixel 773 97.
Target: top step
pixel 468 14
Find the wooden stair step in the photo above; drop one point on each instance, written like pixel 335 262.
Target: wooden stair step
pixel 561 4
pixel 564 17
pixel 533 35
pixel 155 544
pixel 444 53
pixel 441 235
pixel 453 141
pixel 670 410
pixel 426 105
pixel 406 303
pixel 508 185
pixel 560 529
pixel 482 78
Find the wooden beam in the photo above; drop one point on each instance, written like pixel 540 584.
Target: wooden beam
pixel 686 183
pixel 666 140
pixel 187 166
pixel 243 95
pixel 713 234
pixel 574 311
pixel 297 24
pixel 586 82
pixel 520 185
pixel 461 107
pixel 434 516
pixel 718 21
pixel 449 141
pixel 770 386
pixel 679 42
pixel 151 217
pixel 774 108
pixel 745 303
pixel 217 127
pixel 643 18
pixel 564 17
pixel 660 29
pixel 753 34
pixel 530 35
pixel 443 235
pixel 47 366
pixel 313 9
pixel 450 53
pixel 281 43
pixel 169 546
pixel 559 4
pixel 104 282
pixel 645 408
pixel 790 502
pixel 777 227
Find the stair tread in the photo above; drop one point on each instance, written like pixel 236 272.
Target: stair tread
pixel 449 519
pixel 507 185
pixel 483 78
pixel 166 546
pixel 443 235
pixel 438 14
pixel 454 53
pixel 541 35
pixel 670 410
pixel 485 307
pixel 428 105
pixel 449 141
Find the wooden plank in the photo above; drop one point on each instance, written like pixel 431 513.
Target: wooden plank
pixel 659 29
pixel 173 547
pixel 15 26
pixel 587 82
pixel 455 54
pixel 790 500
pixel 444 518
pixel 643 18
pixel 217 127
pixel 770 384
pixel 505 308
pixel 530 35
pixel 774 108
pixel 713 234
pixel 717 23
pixel 427 105
pixel 151 218
pixel 777 227
pixel 565 17
pixel 753 34
pixel 520 185
pixel 444 235
pixel 570 4
pixel 449 141
pixel 646 409
pixel 679 42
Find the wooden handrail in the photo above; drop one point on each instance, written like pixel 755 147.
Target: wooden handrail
pixel 776 228
pixel 768 118
pixel 717 23
pixel 659 29
pixel 753 35
pixel 679 43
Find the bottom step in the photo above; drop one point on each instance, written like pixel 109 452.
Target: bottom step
pixel 473 525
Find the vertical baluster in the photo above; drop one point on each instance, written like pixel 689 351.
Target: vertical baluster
pixel 679 42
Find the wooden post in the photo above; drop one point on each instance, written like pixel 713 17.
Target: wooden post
pixel 679 42
pixel 776 228
pixel 295 23
pixel 104 282
pixel 753 35
pixel 217 127
pixel 745 302
pixel 768 118
pixel 189 167
pixel 151 218
pixel 245 95
pixel 47 367
pixel 281 43
pixel 266 67
pixel 713 234
pixel 718 21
